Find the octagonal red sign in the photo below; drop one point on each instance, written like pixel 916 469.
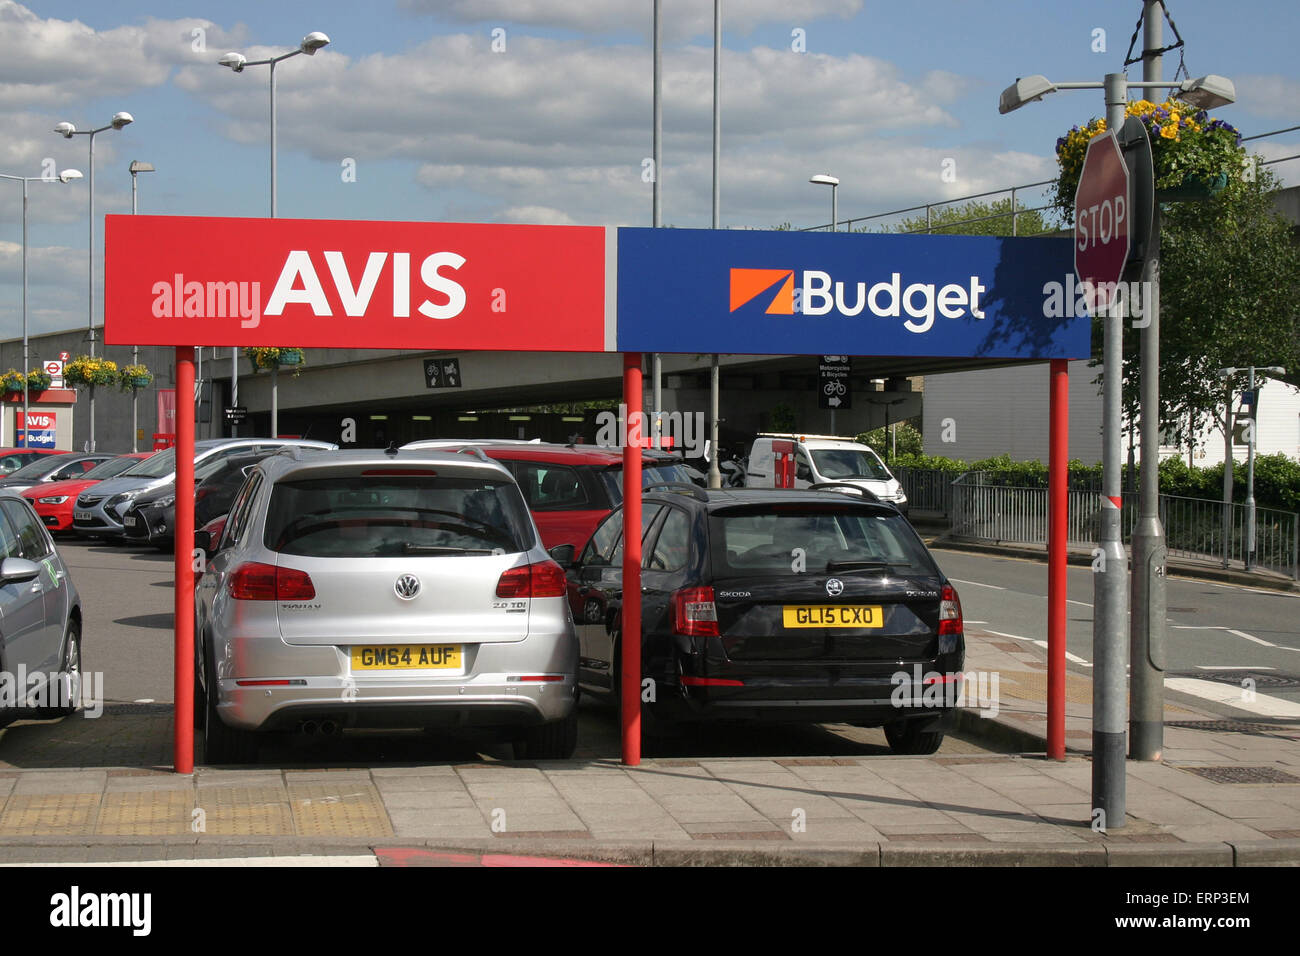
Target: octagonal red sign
pixel 1101 220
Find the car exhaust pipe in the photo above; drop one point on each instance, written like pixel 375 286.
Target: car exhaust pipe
pixel 308 727
pixel 328 728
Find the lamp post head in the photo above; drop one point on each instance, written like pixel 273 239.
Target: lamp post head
pixel 139 167
pixel 312 42
pixel 235 61
pixel 821 179
pixel 65 130
pixel 121 119
pixel 1026 89
pixel 1274 370
pixel 1228 372
pixel 68 175
pixel 1207 92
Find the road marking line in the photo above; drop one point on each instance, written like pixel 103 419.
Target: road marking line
pixel 1232 630
pixel 1231 696
pixel 1043 644
pixel 1232 667
pixel 978 584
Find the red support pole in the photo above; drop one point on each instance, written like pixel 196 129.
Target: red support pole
pixel 1058 481
pixel 631 637
pixel 183 749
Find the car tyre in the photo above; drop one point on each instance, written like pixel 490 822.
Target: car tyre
pixel 223 744
pixel 909 737
pixel 553 740
pixel 69 680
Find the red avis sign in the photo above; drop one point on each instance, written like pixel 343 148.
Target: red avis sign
pixel 180 280
pixel 1101 220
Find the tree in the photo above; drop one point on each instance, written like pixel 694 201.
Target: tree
pixel 994 220
pixel 1229 281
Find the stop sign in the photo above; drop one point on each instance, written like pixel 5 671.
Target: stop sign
pixel 1101 220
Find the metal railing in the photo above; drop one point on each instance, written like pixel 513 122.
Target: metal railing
pixel 982 510
pixel 1015 210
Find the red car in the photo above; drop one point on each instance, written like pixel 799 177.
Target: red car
pixel 11 459
pixel 53 501
pixel 569 488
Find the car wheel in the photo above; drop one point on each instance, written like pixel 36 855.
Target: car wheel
pixel 908 737
pixel 200 701
pixel 223 744
pixel 554 740
pixel 68 681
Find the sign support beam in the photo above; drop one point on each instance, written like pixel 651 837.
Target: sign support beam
pixel 183 690
pixel 630 640
pixel 1058 510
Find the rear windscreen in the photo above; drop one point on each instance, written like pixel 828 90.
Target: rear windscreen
pixel 815 540
pixel 360 516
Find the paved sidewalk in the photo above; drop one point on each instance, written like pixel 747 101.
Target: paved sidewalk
pixel 1227 793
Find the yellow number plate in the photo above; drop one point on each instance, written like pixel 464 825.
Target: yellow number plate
pixel 834 615
pixel 407 657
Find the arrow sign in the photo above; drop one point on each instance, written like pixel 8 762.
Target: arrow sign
pixel 1101 221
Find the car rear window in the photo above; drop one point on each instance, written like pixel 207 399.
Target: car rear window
pixel 650 475
pixel 817 539
pixel 357 516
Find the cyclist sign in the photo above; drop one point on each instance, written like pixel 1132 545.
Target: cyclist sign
pixel 833 390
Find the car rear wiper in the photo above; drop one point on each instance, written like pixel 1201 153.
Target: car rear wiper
pixel 859 566
pixel 409 548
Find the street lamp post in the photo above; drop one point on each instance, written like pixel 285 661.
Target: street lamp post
pixel 136 167
pixel 67 131
pixel 1248 549
pixel 237 61
pixel 1110 584
pixel 67 176
pixel 823 180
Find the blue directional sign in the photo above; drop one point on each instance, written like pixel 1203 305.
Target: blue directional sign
pixel 766 292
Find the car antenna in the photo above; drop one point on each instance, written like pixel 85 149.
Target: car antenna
pixel 391 449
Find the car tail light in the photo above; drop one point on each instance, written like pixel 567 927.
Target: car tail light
pixel 694 613
pixel 949 611
pixel 710 682
pixel 544 579
pixel 265 582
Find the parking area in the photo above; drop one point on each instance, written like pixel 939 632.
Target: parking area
pixel 127 651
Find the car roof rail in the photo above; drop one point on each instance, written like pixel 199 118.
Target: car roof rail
pixel 290 451
pixel 679 487
pixel 842 486
pixel 476 451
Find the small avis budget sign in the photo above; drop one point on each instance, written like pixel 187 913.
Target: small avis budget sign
pixel 1101 221
pixel 180 280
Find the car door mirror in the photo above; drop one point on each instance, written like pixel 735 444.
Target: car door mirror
pixel 18 570
pixel 562 554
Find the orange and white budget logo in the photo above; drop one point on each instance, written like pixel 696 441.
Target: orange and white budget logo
pixel 749 284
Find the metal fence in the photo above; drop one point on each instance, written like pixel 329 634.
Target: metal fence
pixel 983 510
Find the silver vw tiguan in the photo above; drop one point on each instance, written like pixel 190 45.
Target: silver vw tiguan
pixel 366 588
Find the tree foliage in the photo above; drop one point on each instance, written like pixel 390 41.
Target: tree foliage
pixel 1229 281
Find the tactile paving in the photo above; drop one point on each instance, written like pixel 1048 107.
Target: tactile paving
pixel 351 810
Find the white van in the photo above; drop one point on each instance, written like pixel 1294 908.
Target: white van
pixel 800 461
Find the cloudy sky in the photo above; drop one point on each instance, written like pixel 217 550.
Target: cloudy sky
pixel 540 110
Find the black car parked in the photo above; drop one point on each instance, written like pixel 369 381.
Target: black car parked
pixel 152 517
pixel 780 605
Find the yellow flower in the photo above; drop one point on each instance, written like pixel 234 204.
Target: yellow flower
pixel 1170 131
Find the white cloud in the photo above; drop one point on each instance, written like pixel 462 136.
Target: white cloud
pixel 1269 95
pixel 680 19
pixel 52 63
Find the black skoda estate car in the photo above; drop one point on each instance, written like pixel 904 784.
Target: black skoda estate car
pixel 779 605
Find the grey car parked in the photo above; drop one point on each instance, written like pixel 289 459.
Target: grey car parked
pixel 40 619
pixel 366 588
pixel 99 510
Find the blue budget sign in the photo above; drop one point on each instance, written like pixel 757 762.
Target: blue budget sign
pixel 763 292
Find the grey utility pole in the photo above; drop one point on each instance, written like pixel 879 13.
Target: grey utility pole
pixel 1110 581
pixel 656 204
pixel 715 470
pixel 1147 647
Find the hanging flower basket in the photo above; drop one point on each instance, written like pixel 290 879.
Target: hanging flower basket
pixel 1194 157
pixel 37 380
pixel 84 370
pixel 267 357
pixel 134 376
